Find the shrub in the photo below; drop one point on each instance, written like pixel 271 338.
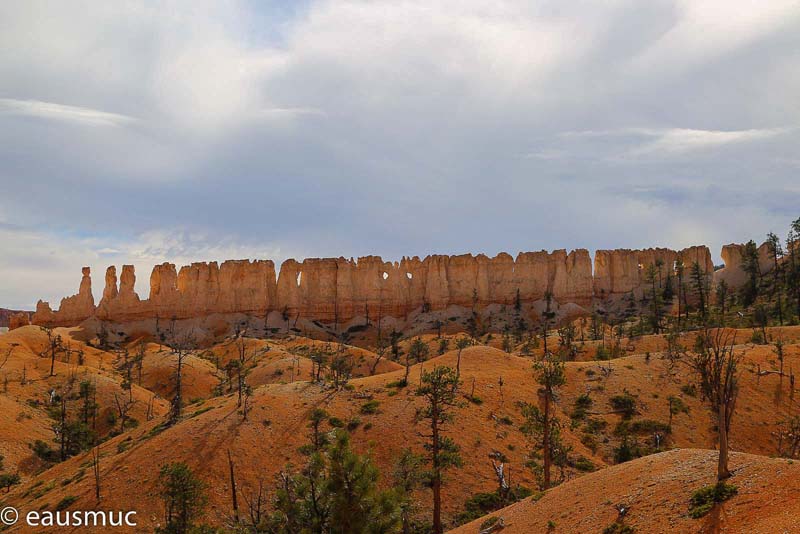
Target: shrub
pixel 474 399
pixel 619 528
pixel 335 422
pixel 589 441
pixel 602 354
pixel 481 504
pixel 705 498
pixel 649 426
pixel 43 450
pixel 689 389
pixel 582 405
pixel 488 523
pixel 625 404
pixel 584 464
pixel 628 450
pixel 594 426
pixel 370 407
pixel 506 420
pixel 757 338
pixel 65 503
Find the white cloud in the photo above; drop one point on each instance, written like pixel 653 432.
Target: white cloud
pixel 683 140
pixel 709 28
pixel 61 112
pixel 354 127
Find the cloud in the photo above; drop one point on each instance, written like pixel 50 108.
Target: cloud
pixel 51 262
pixel 196 130
pixel 60 112
pixel 683 140
pixel 666 142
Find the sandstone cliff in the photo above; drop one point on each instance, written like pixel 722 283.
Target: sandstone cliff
pixel 72 310
pixel 733 273
pixel 19 319
pixel 622 270
pixel 337 290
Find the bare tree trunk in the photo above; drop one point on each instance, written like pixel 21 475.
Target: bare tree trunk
pixel 546 452
pixel 233 489
pixel 436 482
pixel 722 465
pixel 96 469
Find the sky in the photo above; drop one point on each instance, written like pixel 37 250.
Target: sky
pixel 144 132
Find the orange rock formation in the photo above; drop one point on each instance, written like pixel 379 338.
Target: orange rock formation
pixel 336 290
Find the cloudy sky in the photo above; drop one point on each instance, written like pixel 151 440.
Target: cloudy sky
pixel 141 132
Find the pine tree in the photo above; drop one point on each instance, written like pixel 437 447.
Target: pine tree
pixel 438 388
pixel 541 423
pixel 751 267
pixel 356 504
pixel 700 288
pixel 184 498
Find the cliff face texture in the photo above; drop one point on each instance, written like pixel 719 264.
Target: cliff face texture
pixel 733 255
pixel 623 270
pixel 336 290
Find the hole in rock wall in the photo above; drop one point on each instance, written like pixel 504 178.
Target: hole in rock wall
pixel 409 276
pixel 299 278
pixel 385 276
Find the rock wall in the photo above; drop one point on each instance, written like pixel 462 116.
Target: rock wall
pixel 337 290
pixel 733 255
pixel 622 270
pixel 18 320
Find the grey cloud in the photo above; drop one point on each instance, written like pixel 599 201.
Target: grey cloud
pixel 390 128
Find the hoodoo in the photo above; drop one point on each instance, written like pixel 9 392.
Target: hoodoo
pixel 337 290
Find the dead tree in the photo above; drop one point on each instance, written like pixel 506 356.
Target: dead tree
pixel 123 408
pixel 503 484
pixel 181 348
pixel 717 368
pixel 380 351
pixel 256 505
pixel 235 501
pixel 54 345
pixel 96 471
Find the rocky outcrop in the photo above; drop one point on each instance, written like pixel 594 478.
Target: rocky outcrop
pixel 18 320
pixel 733 256
pixel 72 310
pixel 337 290
pixel 623 271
